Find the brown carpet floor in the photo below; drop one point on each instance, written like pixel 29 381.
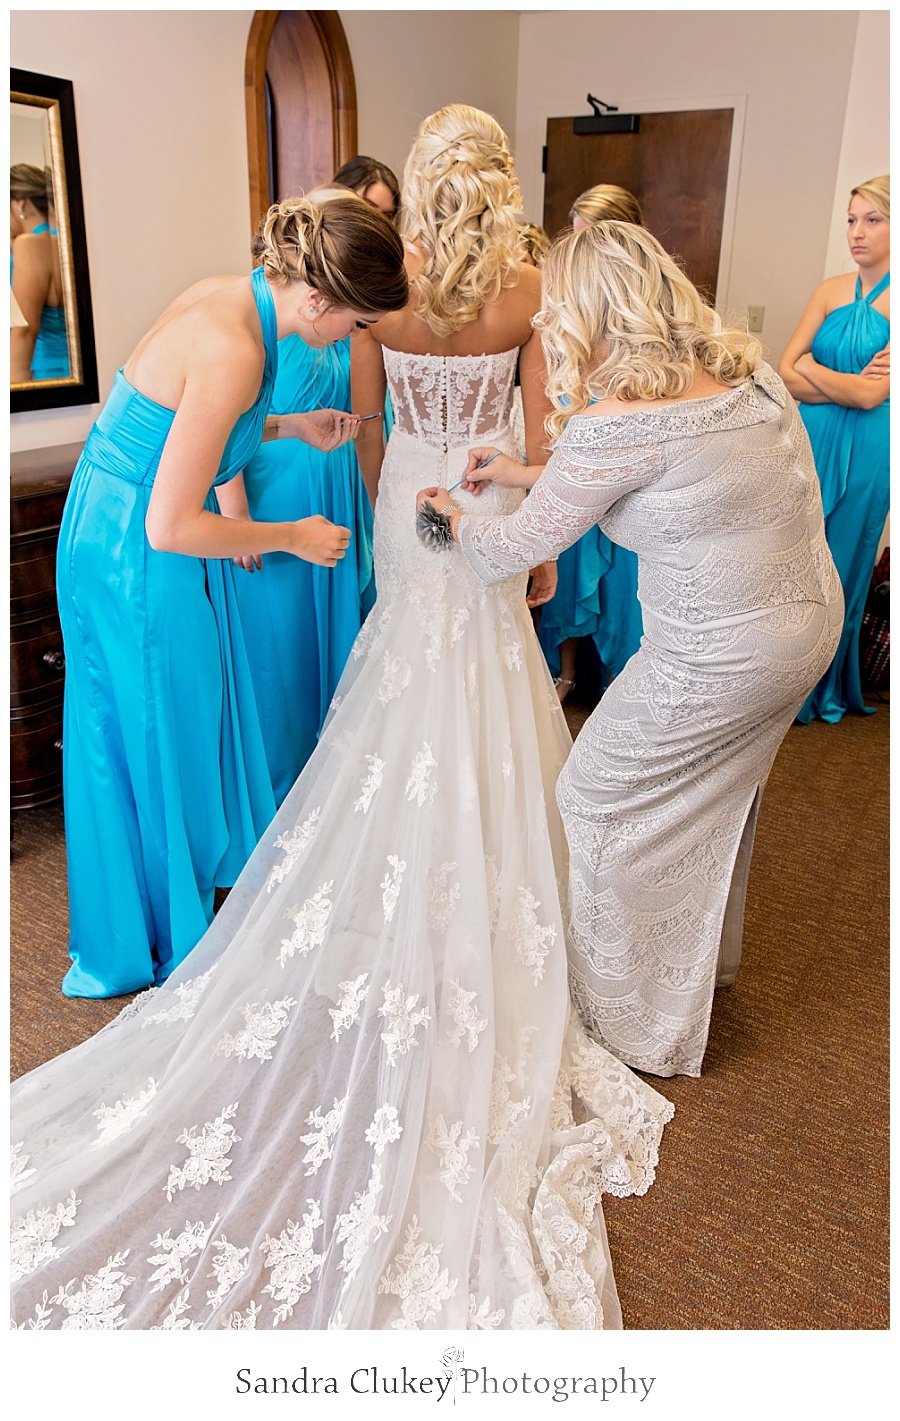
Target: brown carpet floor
pixel 770 1208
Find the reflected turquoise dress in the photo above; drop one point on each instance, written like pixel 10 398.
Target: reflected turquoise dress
pixel 50 360
pixel 300 620
pixel 165 780
pixel 851 448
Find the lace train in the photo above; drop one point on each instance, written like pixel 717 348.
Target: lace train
pixel 362 1101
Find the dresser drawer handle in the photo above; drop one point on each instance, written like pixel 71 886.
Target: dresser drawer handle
pixel 55 660
pixel 57 745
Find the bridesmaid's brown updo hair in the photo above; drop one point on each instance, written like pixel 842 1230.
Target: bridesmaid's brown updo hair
pixel 29 184
pixel 344 248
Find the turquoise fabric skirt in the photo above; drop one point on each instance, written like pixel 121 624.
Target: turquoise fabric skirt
pixel 299 620
pixel 851 449
pixel 51 349
pixel 164 775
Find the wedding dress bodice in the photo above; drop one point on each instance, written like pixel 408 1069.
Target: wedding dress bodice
pixel 443 405
pixel 450 400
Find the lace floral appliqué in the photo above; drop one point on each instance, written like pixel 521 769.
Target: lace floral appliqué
pixel 292 1261
pixel 311 923
pixel 371 784
pixel 294 844
pixel 116 1119
pixel 263 1023
pixel 208 1154
pixel 384 1129
pixel 32 1236
pixel 453 1146
pixel 321 1140
pixel 418 1280
pixel 346 1013
pixel 404 1017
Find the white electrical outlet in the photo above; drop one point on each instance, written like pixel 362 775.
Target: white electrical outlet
pixel 755 318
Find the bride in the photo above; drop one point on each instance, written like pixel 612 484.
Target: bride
pixel 362 1100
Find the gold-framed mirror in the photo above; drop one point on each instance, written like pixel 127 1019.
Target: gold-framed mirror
pixel 52 353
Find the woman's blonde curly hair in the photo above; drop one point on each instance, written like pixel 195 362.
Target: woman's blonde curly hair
pixel 878 191
pixel 619 317
pixel 459 212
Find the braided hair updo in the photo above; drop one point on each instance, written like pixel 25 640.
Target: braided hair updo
pixel 344 248
pixel 459 210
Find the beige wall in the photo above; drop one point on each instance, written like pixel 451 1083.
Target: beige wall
pixel 790 70
pixel 159 99
pixel 865 146
pixel 160 108
pixel 408 63
pixel 163 151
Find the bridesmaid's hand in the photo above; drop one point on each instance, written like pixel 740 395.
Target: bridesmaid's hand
pixel 318 541
pixel 542 586
pixel 879 366
pixel 251 563
pixel 324 430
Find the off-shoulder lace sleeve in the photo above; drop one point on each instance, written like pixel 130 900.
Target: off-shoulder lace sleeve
pixel 584 477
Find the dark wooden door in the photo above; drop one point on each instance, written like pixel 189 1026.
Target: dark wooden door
pixel 677 167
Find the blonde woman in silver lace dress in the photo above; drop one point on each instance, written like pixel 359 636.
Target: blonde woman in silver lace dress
pixel 685 447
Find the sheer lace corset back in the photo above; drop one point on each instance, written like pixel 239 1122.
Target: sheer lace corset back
pixel 443 405
pixel 449 400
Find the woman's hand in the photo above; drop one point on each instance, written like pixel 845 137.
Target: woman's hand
pixel 542 586
pixel 318 541
pixel 324 430
pixel 489 466
pixel 250 562
pixel 439 499
pixel 879 366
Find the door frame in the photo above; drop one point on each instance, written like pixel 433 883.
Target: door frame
pixel 336 60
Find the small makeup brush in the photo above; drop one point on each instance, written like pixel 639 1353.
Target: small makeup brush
pixel 484 463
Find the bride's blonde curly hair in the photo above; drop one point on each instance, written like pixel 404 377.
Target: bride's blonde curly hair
pixel 459 211
pixel 619 317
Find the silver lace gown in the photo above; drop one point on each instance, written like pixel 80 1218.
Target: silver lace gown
pixel 362 1100
pixel 742 611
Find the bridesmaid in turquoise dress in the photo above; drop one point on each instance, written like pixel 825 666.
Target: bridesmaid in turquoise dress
pixel 837 365
pixel 39 351
pixel 300 621
pixel 166 785
pixel 596 598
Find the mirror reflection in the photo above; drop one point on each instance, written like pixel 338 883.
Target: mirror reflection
pixel 39 344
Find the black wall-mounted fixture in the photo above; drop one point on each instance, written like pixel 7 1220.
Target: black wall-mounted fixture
pixel 610 122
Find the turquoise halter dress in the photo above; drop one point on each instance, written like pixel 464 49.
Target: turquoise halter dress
pixel 50 360
pixel 300 621
pixel 851 448
pixel 165 781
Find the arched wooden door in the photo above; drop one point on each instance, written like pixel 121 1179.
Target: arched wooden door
pixel 301 103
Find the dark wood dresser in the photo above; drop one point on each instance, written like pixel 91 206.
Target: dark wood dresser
pixel 39 481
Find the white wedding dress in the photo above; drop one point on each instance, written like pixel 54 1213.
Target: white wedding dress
pixel 361 1101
